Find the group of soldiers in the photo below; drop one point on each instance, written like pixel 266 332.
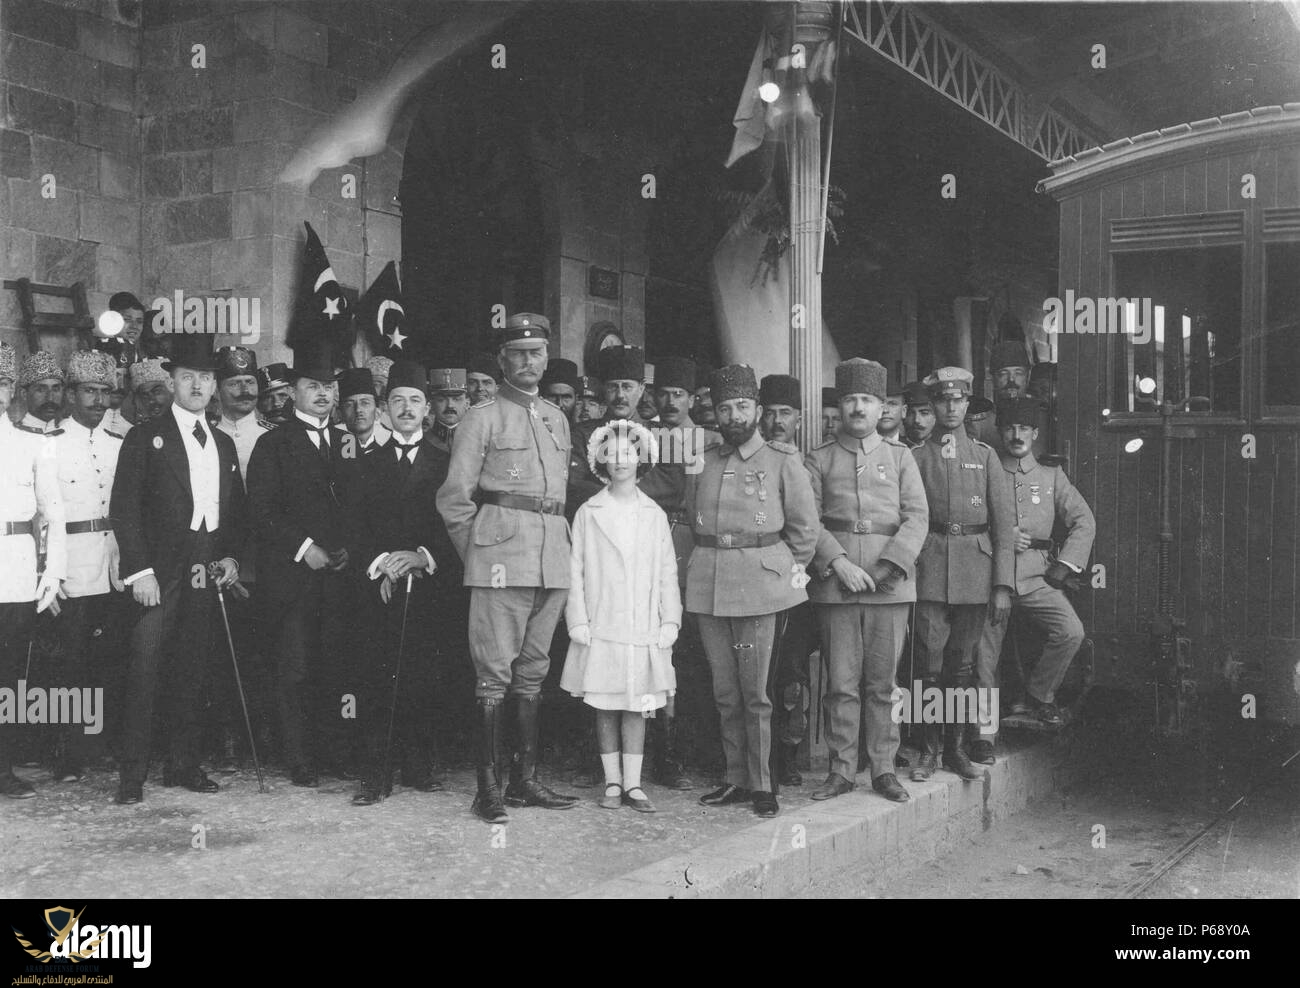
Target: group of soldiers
pixel 360 529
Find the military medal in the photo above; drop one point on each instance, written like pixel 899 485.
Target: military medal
pixel 157 442
pixel 760 518
pixel 699 519
pixel 1034 493
pixel 514 471
pixel 976 501
pixel 880 469
pixel 762 490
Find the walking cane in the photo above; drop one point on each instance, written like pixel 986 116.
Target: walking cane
pixel 397 672
pixel 214 572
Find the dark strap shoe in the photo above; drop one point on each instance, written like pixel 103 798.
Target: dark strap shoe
pixel 765 804
pixel 726 796
pixel 129 793
pixel 530 792
pixel 889 787
pixel 835 785
pixel 14 787
pixel 194 779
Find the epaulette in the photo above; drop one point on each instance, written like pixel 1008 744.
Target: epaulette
pixel 894 442
pixel 110 432
pixel 484 404
pixel 825 442
pixel 553 405
pixel 979 442
pixel 38 432
pixel 781 447
pixel 714 444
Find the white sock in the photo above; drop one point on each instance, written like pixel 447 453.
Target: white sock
pixel 610 763
pixel 632 772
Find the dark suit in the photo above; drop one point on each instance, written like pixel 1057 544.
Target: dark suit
pixel 294 496
pixel 152 508
pixel 400 512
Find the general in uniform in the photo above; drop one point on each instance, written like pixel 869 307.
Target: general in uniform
pixel 965 570
pixel 503 504
pixel 874 519
pixel 755 524
pixel 1042 495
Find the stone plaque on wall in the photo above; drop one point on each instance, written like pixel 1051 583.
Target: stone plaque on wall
pixel 602 282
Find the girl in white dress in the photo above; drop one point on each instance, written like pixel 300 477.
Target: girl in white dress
pixel 624 608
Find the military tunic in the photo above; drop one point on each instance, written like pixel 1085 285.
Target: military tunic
pixel 87 461
pixel 872 505
pixel 1043 494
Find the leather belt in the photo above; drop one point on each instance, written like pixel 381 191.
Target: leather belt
pixel 1041 544
pixel 17 528
pixel 93 525
pixel 861 526
pixel 522 502
pixel 744 540
pixel 940 528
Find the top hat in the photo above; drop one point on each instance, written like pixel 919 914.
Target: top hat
pixel 192 351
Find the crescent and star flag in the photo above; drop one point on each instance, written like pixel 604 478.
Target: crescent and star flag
pixel 381 317
pixel 322 312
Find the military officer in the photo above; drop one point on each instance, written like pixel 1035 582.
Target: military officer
pixel 275 394
pixel 237 390
pixel 1009 368
pixel 481 378
pixel 702 410
pixel 965 570
pixel 87 457
pixel 41 379
pixel 796 629
pixel 830 413
pixel 449 400
pixel 361 409
pixel 591 400
pixel 151 389
pixel 503 504
pixel 622 368
pixel 1043 494
pixel 29 482
pixel 918 421
pixel 874 519
pixel 755 531
pixel 560 385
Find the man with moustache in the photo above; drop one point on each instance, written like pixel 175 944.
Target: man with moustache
pixel 29 483
pixel 1043 495
pixel 918 421
pixel 755 531
pixel 830 414
pixel 965 571
pixel 702 409
pixel 237 391
pixel 274 395
pixel 892 409
pixel 591 402
pixel 41 379
pixel 481 378
pixel 177 506
pixel 503 504
pixel 87 455
pixel 151 389
pixel 401 534
pixel 115 419
pixel 622 368
pixel 361 409
pixel 299 481
pixel 449 400
pixel 796 629
pixel 1009 368
pixel 560 385
pixel 874 519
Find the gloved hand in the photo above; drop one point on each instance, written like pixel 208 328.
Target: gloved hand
pixel 885 575
pixel 581 634
pixel 47 593
pixel 667 635
pixel 1058 575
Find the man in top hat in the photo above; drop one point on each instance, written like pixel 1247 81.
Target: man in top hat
pixel 401 534
pixel 560 385
pixel 830 414
pixel 87 454
pixel 918 419
pixel 275 395
pixel 874 520
pixel 797 633
pixel 965 570
pixel 151 390
pixel 622 368
pixel 1043 495
pixel 503 503
pixel 300 480
pixel 41 379
pixel 29 483
pixel 591 400
pixel 449 399
pixel 361 409
pixel 177 507
pixel 755 532
pixel 481 377
pixel 892 409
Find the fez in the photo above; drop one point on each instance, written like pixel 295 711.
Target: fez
pixel 779 389
pixel 1008 353
pixel 560 370
pixel 484 363
pixel 858 376
pixel 356 381
pixel 731 382
pixel 675 372
pixel 235 361
pixel 1020 411
pixel 916 393
pixel 408 374
pixel 621 363
pixel 91 367
pixel 829 398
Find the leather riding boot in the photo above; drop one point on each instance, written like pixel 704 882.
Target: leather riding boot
pixel 670 771
pixel 979 747
pixel 524 789
pixel 927 737
pixel 487 803
pixel 954 755
pixel 790 765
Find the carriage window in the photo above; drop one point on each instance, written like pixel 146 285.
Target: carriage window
pixel 1181 310
pixel 1281 349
